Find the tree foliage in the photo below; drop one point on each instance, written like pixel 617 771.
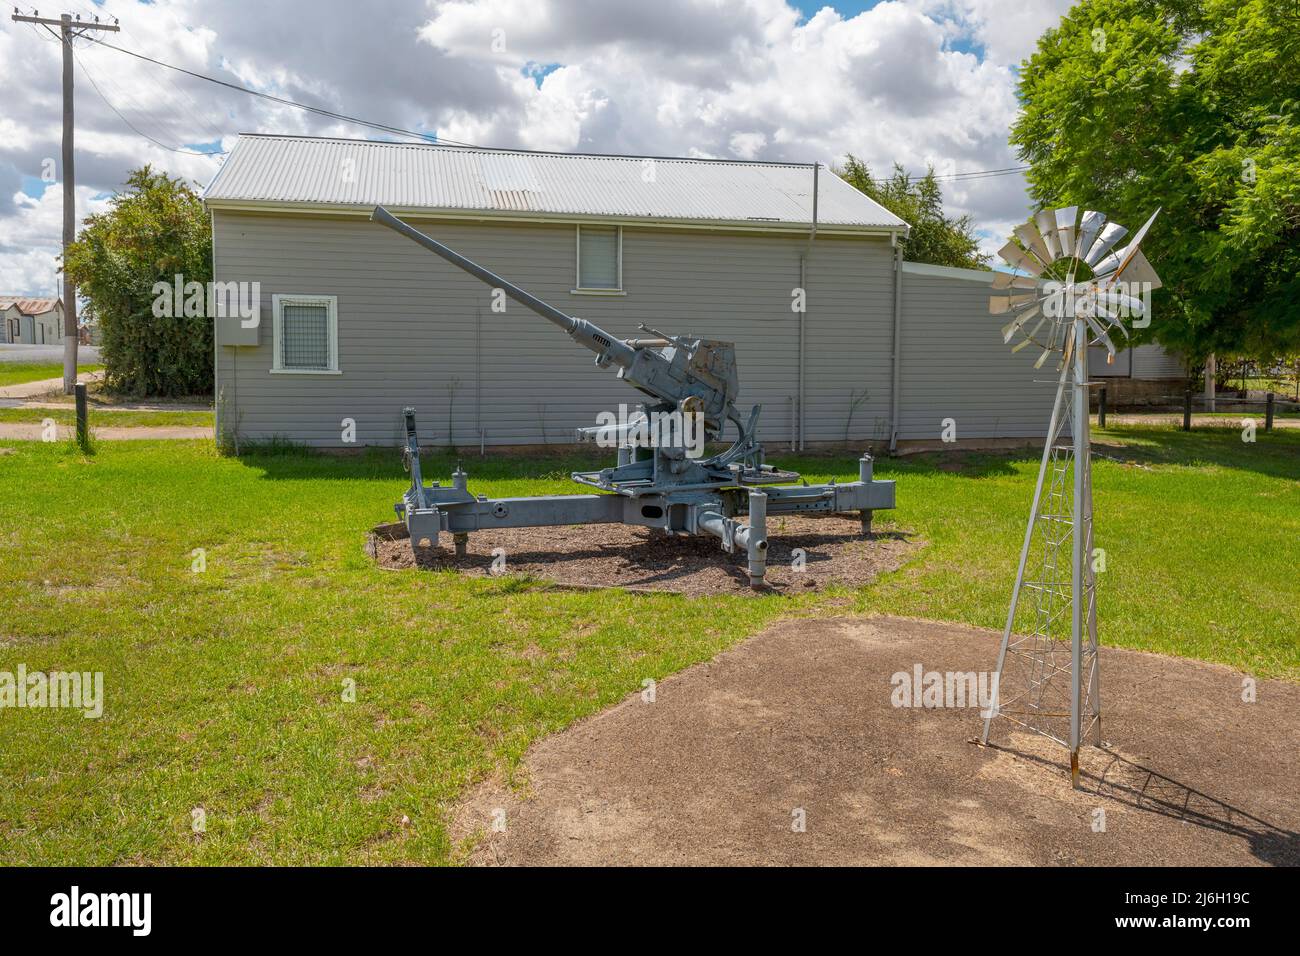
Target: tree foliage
pixel 155 231
pixel 935 237
pixel 1190 105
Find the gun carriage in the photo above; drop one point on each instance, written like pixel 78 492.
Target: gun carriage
pixel 667 482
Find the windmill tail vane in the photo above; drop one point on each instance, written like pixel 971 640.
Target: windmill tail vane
pixel 1072 289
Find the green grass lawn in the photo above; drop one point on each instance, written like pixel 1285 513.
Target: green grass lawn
pixel 223 689
pixel 18 373
pixel 110 417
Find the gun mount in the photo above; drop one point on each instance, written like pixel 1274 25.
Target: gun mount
pixel 662 478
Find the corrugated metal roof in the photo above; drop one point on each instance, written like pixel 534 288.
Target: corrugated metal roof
pixel 361 173
pixel 28 306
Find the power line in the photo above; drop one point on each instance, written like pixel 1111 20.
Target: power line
pixel 969 176
pixel 985 173
pixel 109 104
pixel 193 110
pixel 965 176
pixel 122 100
pixel 283 101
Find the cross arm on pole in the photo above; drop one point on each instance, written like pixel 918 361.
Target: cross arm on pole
pixel 74 24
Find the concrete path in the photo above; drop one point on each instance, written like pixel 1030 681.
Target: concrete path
pixel 99 405
pixel 14 352
pixel 33 431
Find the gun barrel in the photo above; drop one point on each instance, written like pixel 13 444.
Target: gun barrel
pixel 545 310
pixel 592 336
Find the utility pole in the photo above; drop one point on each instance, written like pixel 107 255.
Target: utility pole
pixel 68 28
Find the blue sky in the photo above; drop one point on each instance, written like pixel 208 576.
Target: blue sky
pixel 851 8
pixel 845 8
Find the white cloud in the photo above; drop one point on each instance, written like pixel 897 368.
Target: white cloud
pixel 1006 29
pixel 912 81
pixel 29 266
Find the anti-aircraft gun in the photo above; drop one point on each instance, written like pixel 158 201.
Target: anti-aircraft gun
pixel 662 478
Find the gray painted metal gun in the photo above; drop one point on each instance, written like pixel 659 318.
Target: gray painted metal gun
pixel 662 478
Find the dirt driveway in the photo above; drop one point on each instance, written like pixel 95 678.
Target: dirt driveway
pixel 797 724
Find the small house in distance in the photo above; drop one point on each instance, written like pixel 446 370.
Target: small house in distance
pixel 29 321
pixel 836 336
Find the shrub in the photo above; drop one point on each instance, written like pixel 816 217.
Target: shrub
pixel 155 231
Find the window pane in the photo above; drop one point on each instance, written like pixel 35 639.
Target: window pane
pixel 598 257
pixel 305 336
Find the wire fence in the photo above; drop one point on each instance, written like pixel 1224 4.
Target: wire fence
pixel 1271 405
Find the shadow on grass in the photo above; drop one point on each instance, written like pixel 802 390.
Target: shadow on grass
pixel 280 460
pixel 968 464
pixel 1276 454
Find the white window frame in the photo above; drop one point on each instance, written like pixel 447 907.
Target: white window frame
pixel 578 288
pixel 331 303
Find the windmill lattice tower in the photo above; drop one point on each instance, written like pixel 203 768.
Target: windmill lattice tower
pixel 1071 291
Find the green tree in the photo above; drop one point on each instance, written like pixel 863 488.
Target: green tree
pixel 1190 105
pixel 935 237
pixel 155 231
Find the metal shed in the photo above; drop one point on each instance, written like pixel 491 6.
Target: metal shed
pixel 355 324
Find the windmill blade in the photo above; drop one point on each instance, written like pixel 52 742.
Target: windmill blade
pixel 1111 234
pixel 1029 336
pixel 1112 321
pixel 1054 302
pixel 1089 226
pixel 1137 272
pixel 1101 334
pixel 1009 329
pixel 1000 305
pixel 1031 239
pixel 1020 259
pixel 1140 272
pixel 1056 335
pixel 1112 325
pixel 1010 280
pixel 1043 358
pixel 1131 250
pixel 1065 219
pixel 1104 271
pixel 1119 301
pixel 1045 220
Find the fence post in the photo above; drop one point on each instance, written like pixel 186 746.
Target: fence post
pixel 1268 412
pixel 1101 408
pixel 83 432
pixel 1187 410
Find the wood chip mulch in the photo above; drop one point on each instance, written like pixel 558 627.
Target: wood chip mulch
pixel 601 556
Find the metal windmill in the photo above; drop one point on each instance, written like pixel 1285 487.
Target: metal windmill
pixel 1072 290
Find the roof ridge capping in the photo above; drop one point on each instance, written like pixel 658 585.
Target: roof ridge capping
pixel 454 147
